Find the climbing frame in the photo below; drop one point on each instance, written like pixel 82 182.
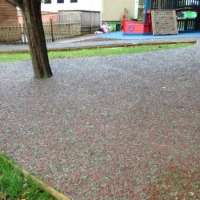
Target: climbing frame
pixel 164 22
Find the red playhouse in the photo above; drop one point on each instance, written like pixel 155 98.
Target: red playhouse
pixel 165 17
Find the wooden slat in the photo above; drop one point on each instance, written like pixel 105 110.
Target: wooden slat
pixel 10 34
pixel 8 13
pixel 89 19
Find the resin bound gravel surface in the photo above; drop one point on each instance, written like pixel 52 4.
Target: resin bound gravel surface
pixel 115 127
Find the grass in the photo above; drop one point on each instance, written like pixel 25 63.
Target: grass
pixel 13 185
pixel 12 57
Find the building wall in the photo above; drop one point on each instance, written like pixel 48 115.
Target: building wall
pixel 112 10
pixel 91 5
pixel 8 13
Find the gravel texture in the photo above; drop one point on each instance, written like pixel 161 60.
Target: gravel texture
pixel 115 127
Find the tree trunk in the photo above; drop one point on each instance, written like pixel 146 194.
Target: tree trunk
pixel 31 10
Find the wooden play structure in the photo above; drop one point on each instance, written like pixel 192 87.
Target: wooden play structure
pixel 165 17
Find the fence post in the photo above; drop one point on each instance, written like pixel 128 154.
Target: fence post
pixel 70 25
pixel 175 4
pixel 91 20
pixel 20 28
pixel 195 25
pixel 186 24
pixel 52 34
pixel 70 31
pixel 23 33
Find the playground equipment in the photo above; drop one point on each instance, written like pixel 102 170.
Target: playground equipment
pixel 165 17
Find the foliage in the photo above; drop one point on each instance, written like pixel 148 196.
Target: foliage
pixel 127 13
pixel 13 185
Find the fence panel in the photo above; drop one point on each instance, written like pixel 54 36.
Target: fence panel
pixel 162 4
pixel 186 3
pixel 69 16
pixel 10 34
pixel 173 4
pixel 90 20
pixel 57 31
pixel 48 32
pixel 188 25
pixel 52 30
pixel 65 24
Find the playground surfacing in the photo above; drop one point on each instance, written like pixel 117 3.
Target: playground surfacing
pixel 121 35
pixel 115 127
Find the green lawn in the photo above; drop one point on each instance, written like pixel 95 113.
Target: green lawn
pixel 13 185
pixel 12 57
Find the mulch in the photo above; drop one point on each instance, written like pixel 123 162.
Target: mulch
pixel 114 127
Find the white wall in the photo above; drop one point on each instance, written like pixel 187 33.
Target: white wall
pixel 136 9
pixel 113 10
pixel 94 5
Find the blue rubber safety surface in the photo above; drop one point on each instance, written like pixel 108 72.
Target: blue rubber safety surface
pixel 121 35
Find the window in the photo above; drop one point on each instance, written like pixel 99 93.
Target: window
pixel 73 1
pixel 60 1
pixel 47 1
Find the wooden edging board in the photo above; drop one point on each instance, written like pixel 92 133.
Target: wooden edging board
pixel 43 185
pixel 104 46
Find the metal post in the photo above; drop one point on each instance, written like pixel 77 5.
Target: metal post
pixel 146 6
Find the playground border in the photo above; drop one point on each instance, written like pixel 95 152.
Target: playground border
pixel 102 46
pixel 53 192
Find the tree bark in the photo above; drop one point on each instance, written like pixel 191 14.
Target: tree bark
pixel 31 10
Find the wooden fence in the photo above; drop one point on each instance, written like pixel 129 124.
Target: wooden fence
pixel 10 34
pixel 53 31
pixel 46 16
pixel 90 20
pixel 61 30
pixel 64 24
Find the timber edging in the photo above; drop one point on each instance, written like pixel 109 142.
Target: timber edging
pixel 101 46
pixel 43 185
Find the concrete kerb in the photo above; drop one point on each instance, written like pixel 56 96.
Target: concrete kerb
pixel 102 46
pixel 43 185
